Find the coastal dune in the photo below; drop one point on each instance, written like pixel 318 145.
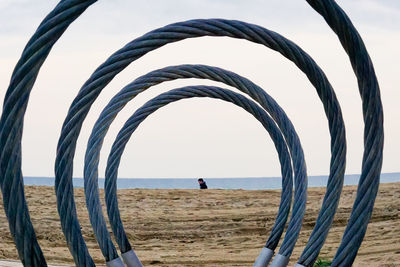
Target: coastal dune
pixel 209 227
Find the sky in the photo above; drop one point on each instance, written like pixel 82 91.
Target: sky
pixel 203 137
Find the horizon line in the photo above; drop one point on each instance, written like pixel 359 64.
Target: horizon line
pixel 242 177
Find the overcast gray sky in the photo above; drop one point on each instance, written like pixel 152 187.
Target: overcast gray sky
pixel 203 137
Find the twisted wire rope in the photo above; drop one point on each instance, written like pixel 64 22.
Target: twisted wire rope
pixel 182 93
pixel 199 91
pixel 11 124
pixel 368 86
pixel 36 52
pixel 218 27
pixel 117 103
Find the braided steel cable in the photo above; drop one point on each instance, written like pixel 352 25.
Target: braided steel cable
pixel 368 86
pixel 11 124
pixel 156 77
pixel 215 27
pixel 189 92
pixel 26 72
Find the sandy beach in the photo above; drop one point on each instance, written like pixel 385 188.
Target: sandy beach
pixel 209 227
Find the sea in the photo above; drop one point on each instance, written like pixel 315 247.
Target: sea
pixel 246 183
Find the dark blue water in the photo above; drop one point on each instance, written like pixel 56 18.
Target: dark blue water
pixel 215 183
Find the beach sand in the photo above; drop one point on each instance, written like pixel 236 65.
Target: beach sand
pixel 209 227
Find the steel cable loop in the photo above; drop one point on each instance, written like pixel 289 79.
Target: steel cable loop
pixel 368 85
pixel 16 103
pixel 139 85
pixel 174 95
pixel 217 27
pixel 11 123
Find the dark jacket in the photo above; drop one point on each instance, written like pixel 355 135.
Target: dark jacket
pixel 203 185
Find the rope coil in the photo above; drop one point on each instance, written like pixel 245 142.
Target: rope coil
pixel 189 92
pixel 167 74
pixel 51 29
pixel 216 27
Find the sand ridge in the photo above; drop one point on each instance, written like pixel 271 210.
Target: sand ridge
pixel 209 227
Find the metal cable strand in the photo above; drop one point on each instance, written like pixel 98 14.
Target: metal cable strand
pixel 15 103
pixel 182 93
pixel 359 62
pixel 215 27
pixel 373 130
pixel 132 90
pixel 199 91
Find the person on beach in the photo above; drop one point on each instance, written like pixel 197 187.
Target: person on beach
pixel 202 183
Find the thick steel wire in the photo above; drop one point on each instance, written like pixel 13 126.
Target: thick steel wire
pixel 373 129
pixel 270 37
pixel 216 27
pixel 189 92
pixel 11 124
pixel 118 102
pixel 22 82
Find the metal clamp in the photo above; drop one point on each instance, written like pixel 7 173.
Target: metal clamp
pixel 117 262
pixel 280 261
pixel 264 258
pixel 130 259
